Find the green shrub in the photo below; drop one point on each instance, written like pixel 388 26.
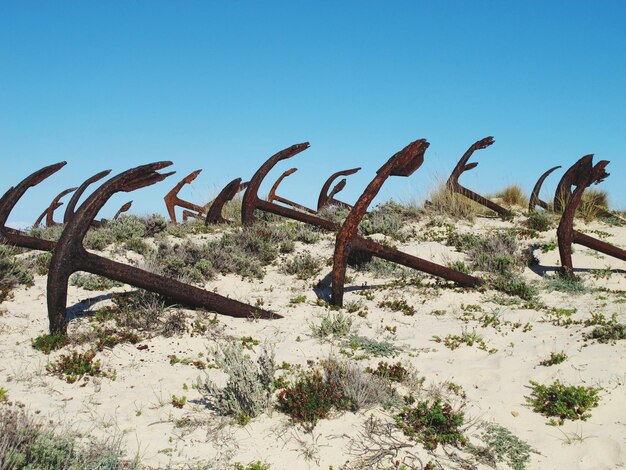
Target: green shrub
pixel 93 282
pixel 563 401
pixel 47 343
pixel 539 221
pixel 14 271
pixel 394 372
pixel 304 266
pixel 432 423
pixel 98 239
pixel 611 332
pixel 126 227
pixel 388 219
pixel 398 306
pixel 309 399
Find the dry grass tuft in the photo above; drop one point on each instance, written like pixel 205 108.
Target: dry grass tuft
pixel 445 202
pixel 513 196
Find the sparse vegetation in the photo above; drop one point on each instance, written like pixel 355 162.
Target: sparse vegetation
pixel 539 220
pixel 304 266
pixel 74 366
pixel 554 359
pixel 398 305
pixel 93 282
pixel 447 203
pixel 335 324
pixel 501 445
pixel 13 271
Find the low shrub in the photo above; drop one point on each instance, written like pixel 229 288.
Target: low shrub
pixel 93 282
pixel 73 367
pixel 250 385
pixel 47 343
pixel 563 401
pixel 539 220
pixel 554 359
pixel 432 423
pixel 14 271
pixel 501 445
pixel 332 324
pixel 611 332
pixel 304 266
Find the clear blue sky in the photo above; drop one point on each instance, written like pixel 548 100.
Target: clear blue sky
pixel 223 85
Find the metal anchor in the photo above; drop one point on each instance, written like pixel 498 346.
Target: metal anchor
pixel 534 197
pixel 328 199
pixel 463 166
pixel 214 214
pixel 272 196
pixel 403 163
pixel 49 212
pixel 582 175
pixel 172 200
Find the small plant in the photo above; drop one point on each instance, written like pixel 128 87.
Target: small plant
pixel 332 324
pixel 76 365
pixel 394 372
pixel 4 393
pixel 249 389
pixel 432 423
pixel 555 358
pixel 249 342
pixel 309 399
pixel 398 306
pixel 539 221
pixel 47 343
pixel 179 402
pixel 611 332
pixel 563 401
pixel 371 346
pixel 297 300
pixel 93 282
pixel 501 445
pixel 303 266
pixel 570 284
pixel 258 465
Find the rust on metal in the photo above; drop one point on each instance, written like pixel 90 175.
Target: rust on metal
pixel 272 196
pixel 582 175
pixel 328 199
pixel 403 163
pixel 125 207
pixel 71 205
pixel 214 214
pixel 11 198
pixel 252 201
pixel 69 256
pixel 172 200
pixel 462 166
pixel 49 212
pixel 535 200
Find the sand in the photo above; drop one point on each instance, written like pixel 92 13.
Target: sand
pixel 136 405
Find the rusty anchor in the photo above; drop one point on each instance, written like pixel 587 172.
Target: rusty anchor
pixel 49 212
pixel 272 196
pixel 534 197
pixel 10 199
pixel 348 241
pixel 123 209
pixel 582 175
pixel 462 166
pixel 403 163
pixel 172 200
pixel 214 214
pixel 70 256
pixel 328 199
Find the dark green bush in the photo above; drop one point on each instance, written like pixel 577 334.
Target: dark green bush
pixel 563 401
pixel 432 423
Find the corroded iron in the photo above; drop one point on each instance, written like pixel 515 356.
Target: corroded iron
pixel 350 243
pixel 535 200
pixel 49 212
pixel 172 200
pixel 272 196
pixel 123 209
pixel 582 175
pixel 252 201
pixel 403 163
pixel 328 199
pixel 462 166
pixel 214 214
pixel 69 256
pixel 71 205
pixel 11 198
